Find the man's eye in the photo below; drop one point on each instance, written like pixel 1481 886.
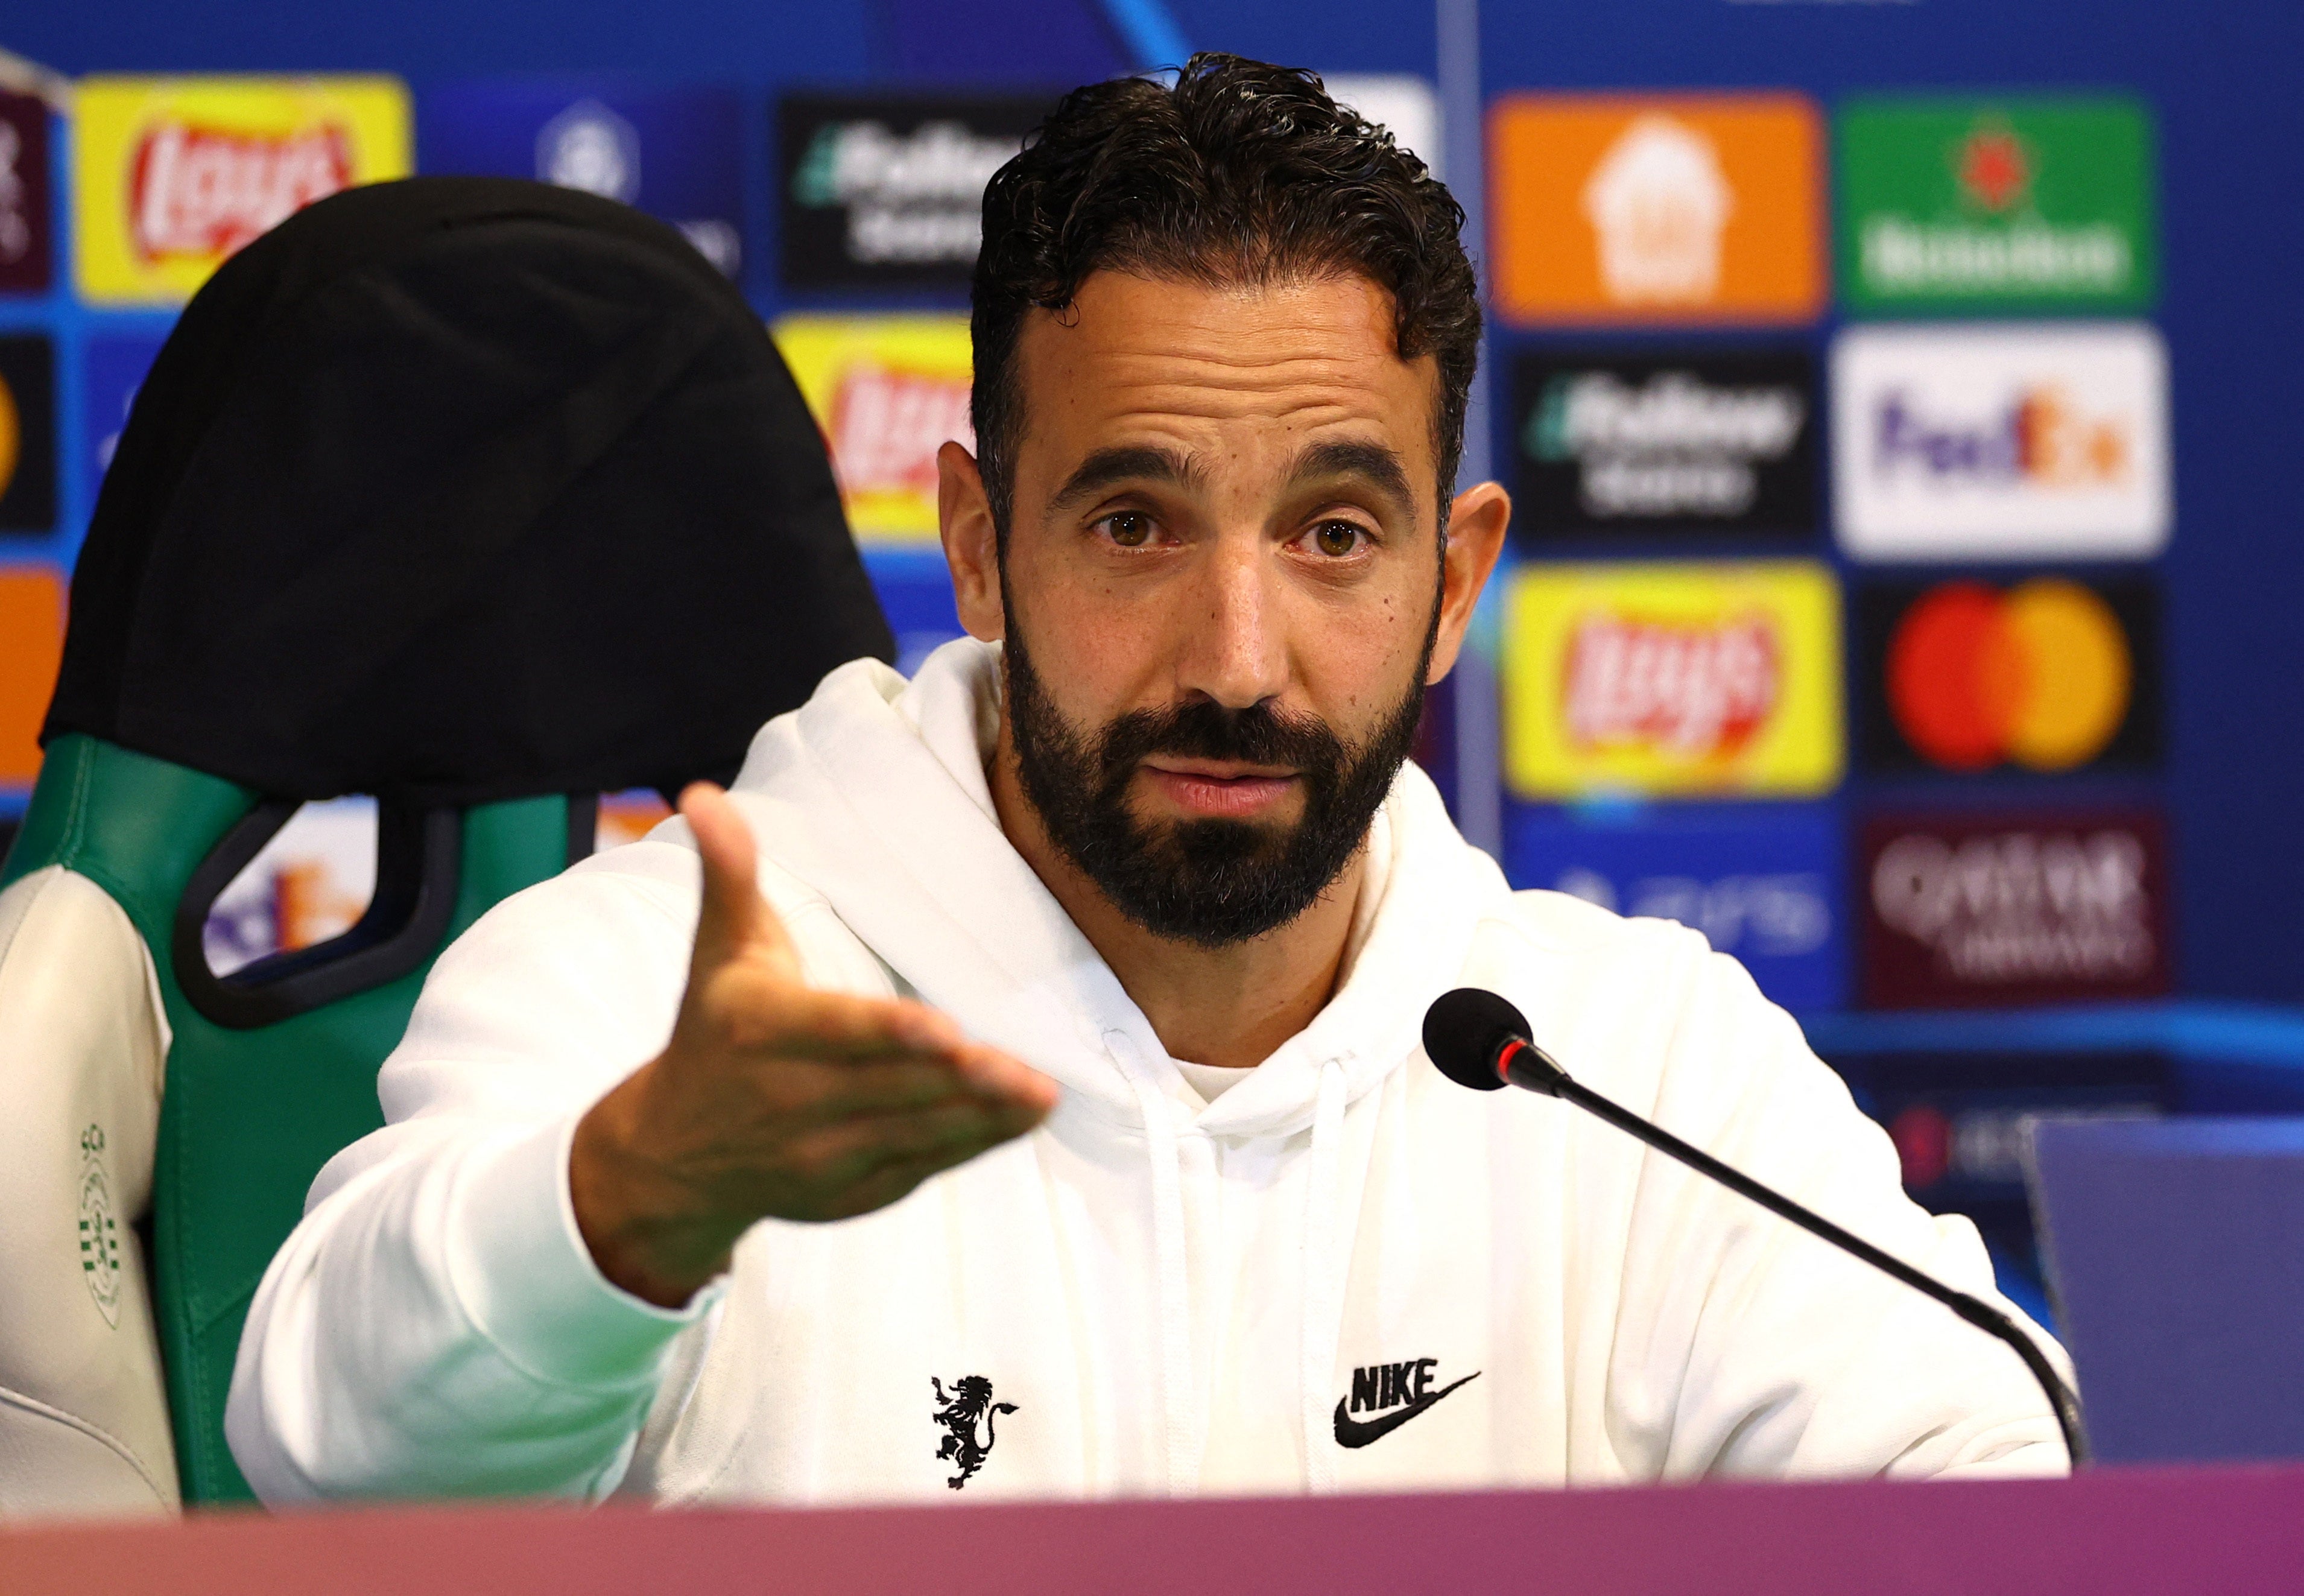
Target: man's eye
pixel 1128 529
pixel 1337 538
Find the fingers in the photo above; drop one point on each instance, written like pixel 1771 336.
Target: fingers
pixel 862 1164
pixel 782 1025
pixel 734 919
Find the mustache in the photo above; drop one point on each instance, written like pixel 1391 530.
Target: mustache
pixel 1204 729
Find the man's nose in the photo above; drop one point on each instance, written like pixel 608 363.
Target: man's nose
pixel 1234 650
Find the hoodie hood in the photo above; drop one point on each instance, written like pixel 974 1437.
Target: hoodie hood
pixel 874 794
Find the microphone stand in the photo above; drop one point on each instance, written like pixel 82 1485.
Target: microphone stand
pixel 1525 1065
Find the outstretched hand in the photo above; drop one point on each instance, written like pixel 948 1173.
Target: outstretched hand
pixel 773 1099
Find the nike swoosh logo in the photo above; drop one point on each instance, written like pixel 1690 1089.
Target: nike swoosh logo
pixel 1359 1432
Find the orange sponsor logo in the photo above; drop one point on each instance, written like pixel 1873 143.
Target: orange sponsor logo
pixel 33 620
pixel 1682 208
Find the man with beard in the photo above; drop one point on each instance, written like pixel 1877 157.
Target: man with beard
pixel 1078 981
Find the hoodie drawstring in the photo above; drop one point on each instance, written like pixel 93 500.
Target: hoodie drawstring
pixel 1178 1397
pixel 1325 1267
pixel 1326 1263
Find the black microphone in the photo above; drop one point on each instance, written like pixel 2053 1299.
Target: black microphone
pixel 1477 1040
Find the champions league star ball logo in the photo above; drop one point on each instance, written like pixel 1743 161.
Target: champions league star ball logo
pixel 589 148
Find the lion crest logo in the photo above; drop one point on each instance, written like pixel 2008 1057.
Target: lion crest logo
pixel 960 1416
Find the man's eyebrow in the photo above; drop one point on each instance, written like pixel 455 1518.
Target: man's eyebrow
pixel 1125 463
pixel 1373 462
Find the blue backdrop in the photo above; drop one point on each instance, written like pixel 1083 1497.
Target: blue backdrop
pixel 2220 80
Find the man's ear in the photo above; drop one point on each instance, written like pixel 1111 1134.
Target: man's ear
pixel 971 545
pixel 1477 522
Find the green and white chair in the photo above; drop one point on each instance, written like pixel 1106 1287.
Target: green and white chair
pixel 482 497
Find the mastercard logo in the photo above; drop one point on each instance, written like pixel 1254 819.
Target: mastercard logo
pixel 2040 674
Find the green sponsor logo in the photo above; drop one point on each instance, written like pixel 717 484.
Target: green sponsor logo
pixel 2033 203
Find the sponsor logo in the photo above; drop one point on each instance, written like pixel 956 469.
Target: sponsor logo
pixel 201 192
pixel 675 152
pixel 1394 1393
pixel 1658 203
pixel 966 1416
pixel 1691 207
pixel 2008 909
pixel 1633 443
pixel 888 391
pixel 1716 678
pixel 2036 202
pixel 2023 441
pixel 1764 888
pixel 2051 674
pixel 891 190
pixel 887 425
pixel 24 246
pixel 28 435
pixel 33 620
pixel 1698 689
pixel 176 174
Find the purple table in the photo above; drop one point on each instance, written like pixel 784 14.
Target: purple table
pixel 2226 1530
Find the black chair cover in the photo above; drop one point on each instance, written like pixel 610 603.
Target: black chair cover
pixel 459 490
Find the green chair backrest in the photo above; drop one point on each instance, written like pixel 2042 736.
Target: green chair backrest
pixel 251 1109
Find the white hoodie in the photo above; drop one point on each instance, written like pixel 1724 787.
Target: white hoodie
pixel 1346 1273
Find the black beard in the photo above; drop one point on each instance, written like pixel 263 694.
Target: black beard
pixel 1213 883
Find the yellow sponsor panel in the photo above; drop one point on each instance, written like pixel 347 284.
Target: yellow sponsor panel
pixel 1672 679
pixel 888 391
pixel 173 175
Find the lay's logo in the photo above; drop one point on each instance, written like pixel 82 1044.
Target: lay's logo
pixel 888 391
pixel 1699 691
pixel 198 192
pixel 1680 678
pixel 888 424
pixel 174 174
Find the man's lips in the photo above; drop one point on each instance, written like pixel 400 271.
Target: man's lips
pixel 1213 789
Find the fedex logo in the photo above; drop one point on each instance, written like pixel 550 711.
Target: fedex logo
pixel 2042 436
pixel 2003 442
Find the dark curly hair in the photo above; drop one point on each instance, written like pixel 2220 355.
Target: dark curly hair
pixel 1240 172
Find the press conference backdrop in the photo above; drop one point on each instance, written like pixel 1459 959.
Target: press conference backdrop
pixel 1895 396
